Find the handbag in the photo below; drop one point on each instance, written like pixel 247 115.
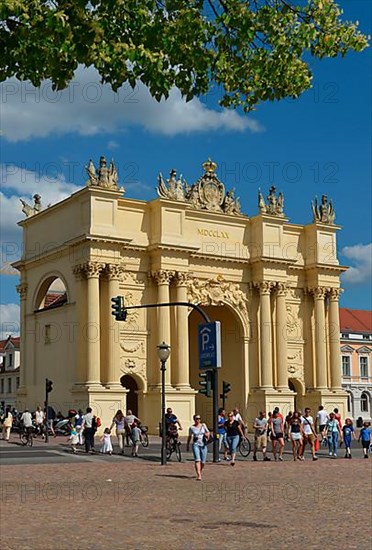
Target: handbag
pixel 316 444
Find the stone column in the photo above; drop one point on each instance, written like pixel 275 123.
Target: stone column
pixel 334 339
pixel 181 375
pixel 22 291
pixel 163 279
pixel 281 336
pixel 320 338
pixel 81 347
pixel 266 336
pixel 92 332
pixel 112 371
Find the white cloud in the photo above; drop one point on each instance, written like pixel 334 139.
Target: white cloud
pixel 361 256
pixel 9 320
pixel 112 145
pixel 17 182
pixel 87 107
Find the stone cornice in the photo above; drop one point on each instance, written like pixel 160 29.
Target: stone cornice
pixel 326 267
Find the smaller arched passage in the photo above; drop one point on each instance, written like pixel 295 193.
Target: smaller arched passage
pixel 52 293
pixel 298 388
pixel 133 384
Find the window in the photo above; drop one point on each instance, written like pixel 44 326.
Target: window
pixel 363 363
pixel 10 361
pixel 344 335
pixel 9 385
pixel 346 365
pixel 2 386
pixel 365 336
pixel 348 403
pixel 364 402
pixel 17 382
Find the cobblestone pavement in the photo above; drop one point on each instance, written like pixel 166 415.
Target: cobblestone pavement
pixel 142 505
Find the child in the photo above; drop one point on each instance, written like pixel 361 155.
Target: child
pixel 73 439
pixel 106 440
pixel 365 437
pixel 348 433
pixel 135 436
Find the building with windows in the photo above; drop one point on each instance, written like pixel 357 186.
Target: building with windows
pixel 356 349
pixel 273 285
pixel 9 371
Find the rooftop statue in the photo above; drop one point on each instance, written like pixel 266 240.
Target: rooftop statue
pixel 208 193
pixel 106 177
pixel 324 212
pixel 274 205
pixel 174 189
pixel 31 210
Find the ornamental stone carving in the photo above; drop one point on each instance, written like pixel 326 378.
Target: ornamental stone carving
pixel 281 289
pixel 113 271
pixel 208 193
pixel 130 366
pixel 324 212
pixel 136 346
pixel 293 324
pixel 274 205
pixel 105 177
pixel 132 314
pixel 265 287
pixel 319 292
pixel 181 278
pixel 216 292
pixel 335 293
pixel 88 270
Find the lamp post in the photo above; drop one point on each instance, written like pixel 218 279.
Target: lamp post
pixel 163 354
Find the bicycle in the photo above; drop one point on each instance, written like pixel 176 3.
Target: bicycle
pixel 144 436
pixel 26 437
pixel 172 445
pixel 244 446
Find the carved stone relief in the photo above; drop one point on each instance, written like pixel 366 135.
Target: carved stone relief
pixel 216 292
pixel 294 328
pixel 133 347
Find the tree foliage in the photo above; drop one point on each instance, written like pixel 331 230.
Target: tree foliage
pixel 254 50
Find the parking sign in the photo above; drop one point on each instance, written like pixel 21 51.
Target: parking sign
pixel 210 345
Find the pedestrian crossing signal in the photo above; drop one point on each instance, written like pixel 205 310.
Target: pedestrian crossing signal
pixel 205 382
pixel 48 385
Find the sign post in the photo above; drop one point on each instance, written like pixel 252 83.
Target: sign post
pixel 209 337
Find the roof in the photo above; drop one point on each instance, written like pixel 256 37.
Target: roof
pixel 54 299
pixel 14 340
pixel 355 320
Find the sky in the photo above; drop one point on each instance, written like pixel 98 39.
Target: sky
pixel 317 144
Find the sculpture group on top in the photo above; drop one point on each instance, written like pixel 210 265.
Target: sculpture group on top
pixel 324 212
pixel 208 193
pixel 29 210
pixel 106 177
pixel 274 205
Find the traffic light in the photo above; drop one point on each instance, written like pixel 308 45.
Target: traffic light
pixel 118 310
pixel 48 385
pixel 205 382
pixel 226 387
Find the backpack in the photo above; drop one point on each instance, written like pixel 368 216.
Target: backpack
pixel 96 423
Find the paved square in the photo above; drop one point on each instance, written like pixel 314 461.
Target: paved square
pixel 141 505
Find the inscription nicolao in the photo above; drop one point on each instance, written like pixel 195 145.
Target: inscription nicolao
pixel 213 233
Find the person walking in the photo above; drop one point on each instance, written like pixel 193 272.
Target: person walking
pixel 222 442
pixel 233 433
pixel 321 419
pixel 348 433
pixel 73 439
pixel 120 423
pixel 260 436
pixel 365 437
pixel 79 420
pixel 277 433
pixel 308 433
pixel 135 435
pixel 106 446
pixel 333 432
pixel 7 424
pixel 39 421
pixel 199 434
pixel 295 432
pixel 88 431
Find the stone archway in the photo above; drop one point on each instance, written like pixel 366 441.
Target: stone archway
pixel 296 386
pixel 233 367
pixel 129 383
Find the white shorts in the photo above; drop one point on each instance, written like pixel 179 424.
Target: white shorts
pixel 295 437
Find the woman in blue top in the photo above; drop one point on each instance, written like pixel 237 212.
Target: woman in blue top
pixel 332 431
pixel 348 433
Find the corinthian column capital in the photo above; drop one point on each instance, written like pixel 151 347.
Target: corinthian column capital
pixel 114 271
pixel 92 270
pixel 22 290
pixel 318 292
pixel 181 278
pixel 334 294
pixel 162 276
pixel 281 289
pixel 265 287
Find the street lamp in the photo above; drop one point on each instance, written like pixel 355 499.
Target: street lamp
pixel 163 354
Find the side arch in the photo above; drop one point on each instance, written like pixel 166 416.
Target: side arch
pixel 45 285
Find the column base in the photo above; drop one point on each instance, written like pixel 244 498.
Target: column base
pixel 266 399
pixel 330 399
pixel 103 401
pixel 181 401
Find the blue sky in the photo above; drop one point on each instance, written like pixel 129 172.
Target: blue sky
pixel 320 143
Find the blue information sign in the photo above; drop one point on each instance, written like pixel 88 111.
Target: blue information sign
pixel 210 345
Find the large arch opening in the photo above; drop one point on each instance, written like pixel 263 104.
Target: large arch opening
pixel 232 369
pixel 129 383
pixel 51 294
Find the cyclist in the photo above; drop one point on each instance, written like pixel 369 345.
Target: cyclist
pixel 26 420
pixel 172 425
